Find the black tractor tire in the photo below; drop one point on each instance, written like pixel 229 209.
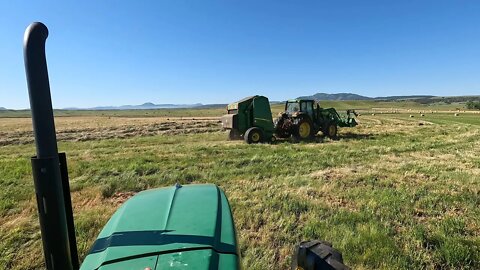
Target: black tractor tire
pixel 303 129
pixel 315 255
pixel 253 135
pixel 233 134
pixel 331 130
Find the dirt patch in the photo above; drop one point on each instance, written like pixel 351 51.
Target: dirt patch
pixel 120 197
pixel 335 173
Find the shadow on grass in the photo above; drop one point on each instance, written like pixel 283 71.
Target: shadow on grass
pixel 356 136
pixel 322 138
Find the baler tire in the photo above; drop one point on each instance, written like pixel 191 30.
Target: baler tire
pixel 253 135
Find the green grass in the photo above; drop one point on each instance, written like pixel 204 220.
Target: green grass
pixel 390 194
pixel 370 104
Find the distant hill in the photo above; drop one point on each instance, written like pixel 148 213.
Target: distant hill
pixel 422 99
pixel 3 109
pixel 144 106
pixel 211 106
pixel 405 97
pixel 339 96
pixel 351 96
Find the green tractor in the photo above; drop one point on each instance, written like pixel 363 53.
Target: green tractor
pixel 304 118
pixel 251 119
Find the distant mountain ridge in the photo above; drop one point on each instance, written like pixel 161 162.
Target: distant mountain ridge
pixel 338 96
pixel 422 99
pixel 351 96
pixel 144 106
pixel 405 97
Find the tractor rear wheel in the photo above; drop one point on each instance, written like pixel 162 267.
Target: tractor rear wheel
pixel 331 130
pixel 303 129
pixel 253 135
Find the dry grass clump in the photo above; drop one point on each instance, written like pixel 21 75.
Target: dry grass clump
pixel 98 128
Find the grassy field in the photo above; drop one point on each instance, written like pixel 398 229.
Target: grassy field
pixel 365 105
pixel 396 192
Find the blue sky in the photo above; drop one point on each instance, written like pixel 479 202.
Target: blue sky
pixel 117 52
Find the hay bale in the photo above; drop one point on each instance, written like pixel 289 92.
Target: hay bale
pixel 456 114
pixel 411 116
pixel 373 114
pixel 422 115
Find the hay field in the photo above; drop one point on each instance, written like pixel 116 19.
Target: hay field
pixel 396 192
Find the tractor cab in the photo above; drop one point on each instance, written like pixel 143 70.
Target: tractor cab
pixel 295 107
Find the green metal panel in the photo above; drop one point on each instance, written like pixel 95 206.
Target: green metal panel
pixel 262 115
pixel 332 115
pixel 250 112
pixel 204 259
pixel 133 264
pixel 244 114
pixel 167 220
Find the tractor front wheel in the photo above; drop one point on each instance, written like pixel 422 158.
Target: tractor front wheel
pixel 331 130
pixel 253 135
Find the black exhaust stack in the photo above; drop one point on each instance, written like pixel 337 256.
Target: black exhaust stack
pixel 49 167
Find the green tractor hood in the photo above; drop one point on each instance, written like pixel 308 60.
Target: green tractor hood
pixel 180 227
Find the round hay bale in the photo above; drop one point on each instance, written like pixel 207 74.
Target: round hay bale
pixel 411 116
pixel 456 114
pixel 373 114
pixel 422 115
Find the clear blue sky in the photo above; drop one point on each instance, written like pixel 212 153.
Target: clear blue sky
pixel 117 52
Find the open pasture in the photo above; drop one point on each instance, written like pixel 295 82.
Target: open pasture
pixel 396 192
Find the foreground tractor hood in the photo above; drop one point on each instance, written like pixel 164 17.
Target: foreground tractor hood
pixel 189 227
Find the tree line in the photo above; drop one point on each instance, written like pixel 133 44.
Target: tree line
pixel 473 105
